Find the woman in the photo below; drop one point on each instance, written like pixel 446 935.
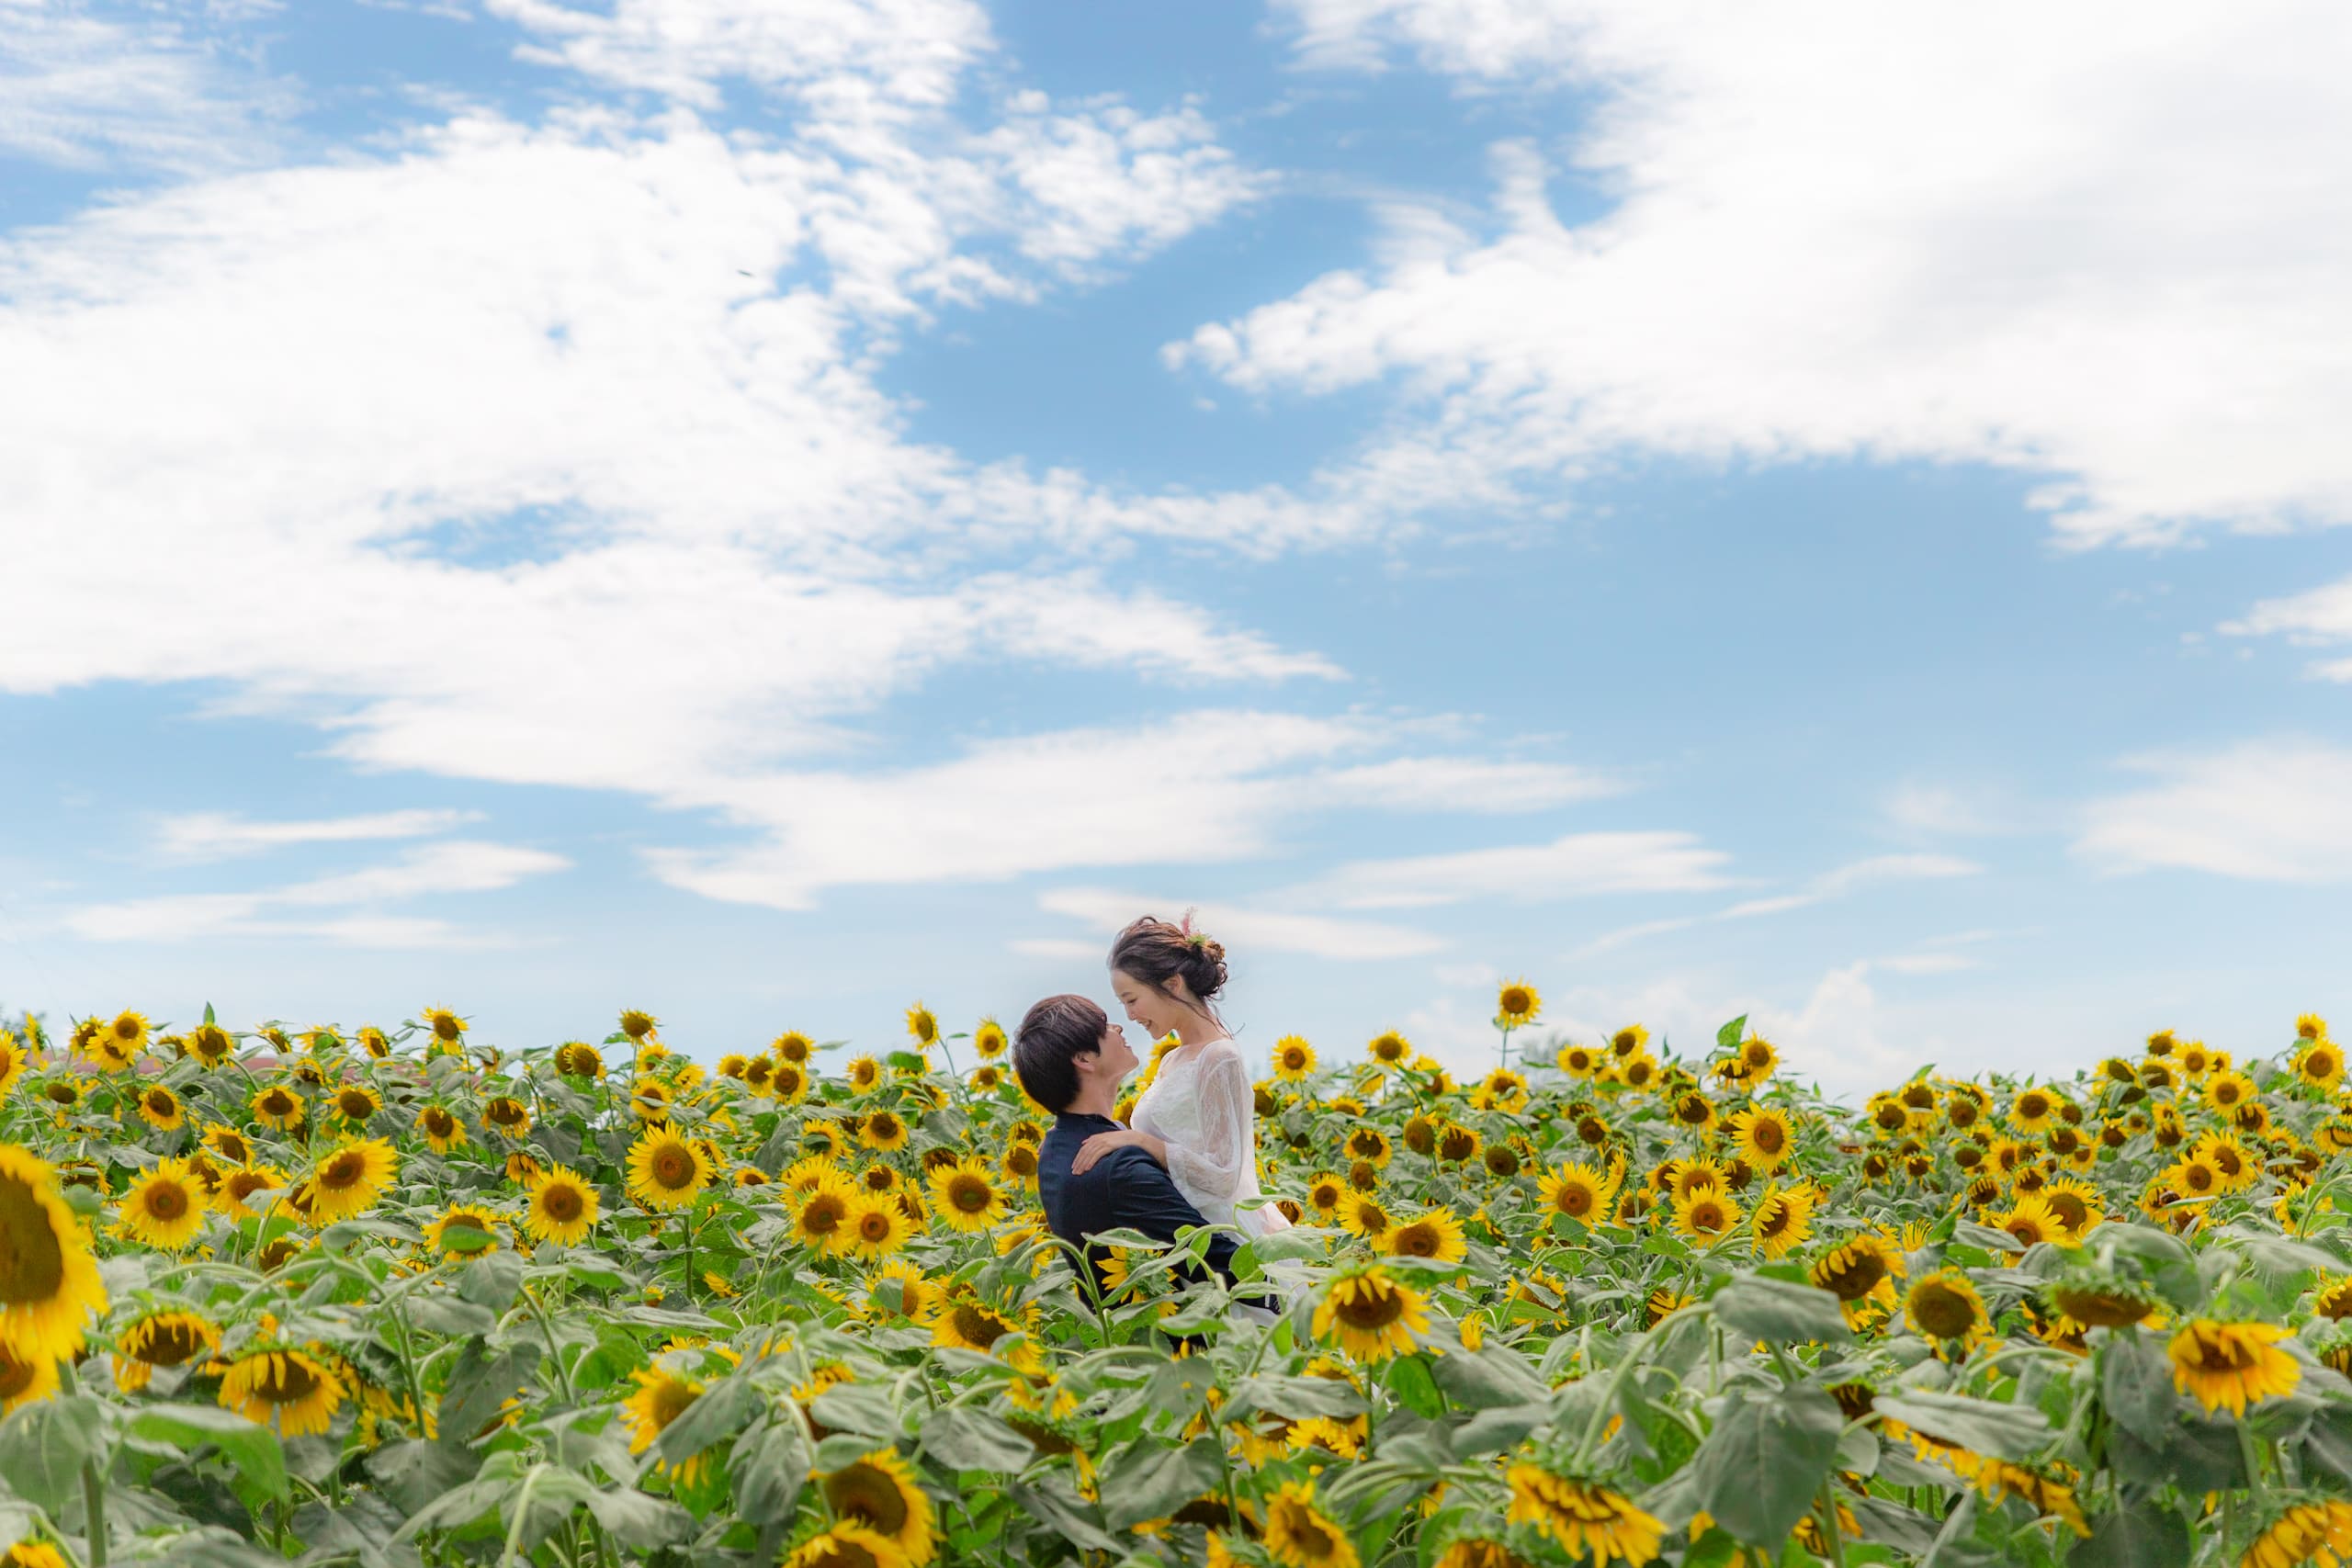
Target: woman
pixel 1199 1117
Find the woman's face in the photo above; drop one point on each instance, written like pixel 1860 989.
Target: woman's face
pixel 1147 1006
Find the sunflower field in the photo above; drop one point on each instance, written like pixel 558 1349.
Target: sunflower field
pixel 400 1299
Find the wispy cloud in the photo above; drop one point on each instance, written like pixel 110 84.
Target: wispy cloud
pixel 432 870
pixel 85 92
pixel 1830 885
pixel 1574 865
pixel 2268 810
pixel 1246 928
pixel 210 836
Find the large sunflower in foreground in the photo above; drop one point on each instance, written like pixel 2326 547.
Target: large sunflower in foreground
pixel 164 1208
pixel 563 1207
pixel 2231 1365
pixel 348 1181
pixel 878 1492
pixel 48 1282
pixel 965 1195
pixel 1370 1315
pixel 2316 1533
pixel 1583 1516
pixel 297 1390
pixel 665 1171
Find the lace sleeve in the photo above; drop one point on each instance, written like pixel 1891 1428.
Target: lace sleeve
pixel 1215 1166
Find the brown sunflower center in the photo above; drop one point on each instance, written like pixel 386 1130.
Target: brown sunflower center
pixel 276 1102
pixel 821 1215
pixel 447 1027
pixel 354 1104
pixel 343 1171
pixel 874 1225
pixel 868 1494
pixel 1774 1218
pixel 1850 1275
pixel 15 1376
pixel 1419 1239
pixel 1768 1137
pixel 673 1167
pixel 1372 1309
pixel 168 1342
pixel 969 1194
pixel 286 1380
pixel 161 1102
pixel 165 1201
pixel 1021 1160
pixel 32 1260
pixel 1942 1311
pixel 1515 998
pixel 560 1202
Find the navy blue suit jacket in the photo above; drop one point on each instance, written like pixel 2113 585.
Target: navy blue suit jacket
pixel 1126 1188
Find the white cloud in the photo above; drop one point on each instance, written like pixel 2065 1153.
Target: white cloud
pixel 1194 789
pixel 1830 885
pixel 2268 810
pixel 85 92
pixel 1244 929
pixel 2321 617
pixel 1881 232
pixel 429 871
pixel 1574 865
pixel 208 835
pixel 1943 808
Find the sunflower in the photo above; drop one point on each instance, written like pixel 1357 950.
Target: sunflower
pixel 12 1061
pixel 876 1227
pixel 1389 1048
pixel 2077 1206
pixel 168 1338
pixel 1294 1058
pixel 1580 1061
pixel 464 1230
pixel 297 1390
pixel 442 1129
pixel 2232 1364
pixel 821 1219
pixel 1782 1220
pixel 1856 1272
pixel 1577 1190
pixel 884 1131
pixel 1582 1516
pixel 228 1143
pixel 277 1107
pixel 1945 1305
pixel 2319 1534
pixel 1501 1090
pixel 1363 1215
pixel 1324 1191
pixel 1457 1144
pixel 2030 1220
pixel 902 1289
pixel 25 1379
pixel 666 1171
pixel 965 1195
pixel 1706 1217
pixel 2228 1089
pixel 242 1183
pixel 2099 1300
pixel 1517 1003
pixel 661 1398
pixel 562 1208
pixel 165 1207
pixel 349 1180
pixel 1479 1551
pixel 787 1083
pixel 508 1115
pixel 963 1323
pixel 845 1544
pixel 1370 1315
pixel 1300 1535
pixel 447 1028
pixel 1764 1136
pixel 119 1043
pixel 161 1109
pixel 1757 1059
pixel 2320 1064
pixel 1434 1234
pixel 878 1492
pixel 355 1103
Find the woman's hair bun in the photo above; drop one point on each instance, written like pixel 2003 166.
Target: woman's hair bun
pixel 1154 952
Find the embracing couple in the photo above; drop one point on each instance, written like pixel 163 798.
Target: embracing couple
pixel 1190 1156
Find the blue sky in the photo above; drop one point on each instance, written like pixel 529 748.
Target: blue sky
pixel 765 512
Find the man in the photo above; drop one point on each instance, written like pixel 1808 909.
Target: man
pixel 1071 1058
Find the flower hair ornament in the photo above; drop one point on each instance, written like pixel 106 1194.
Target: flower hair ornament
pixel 1193 937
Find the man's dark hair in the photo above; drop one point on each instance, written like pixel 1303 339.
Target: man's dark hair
pixel 1046 1046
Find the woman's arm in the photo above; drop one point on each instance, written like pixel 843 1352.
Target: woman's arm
pixel 1101 1144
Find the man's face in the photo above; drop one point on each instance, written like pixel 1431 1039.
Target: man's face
pixel 1114 1060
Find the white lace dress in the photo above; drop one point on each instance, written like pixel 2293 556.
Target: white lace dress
pixel 1201 1105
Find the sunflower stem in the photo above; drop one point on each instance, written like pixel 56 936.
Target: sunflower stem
pixel 93 1481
